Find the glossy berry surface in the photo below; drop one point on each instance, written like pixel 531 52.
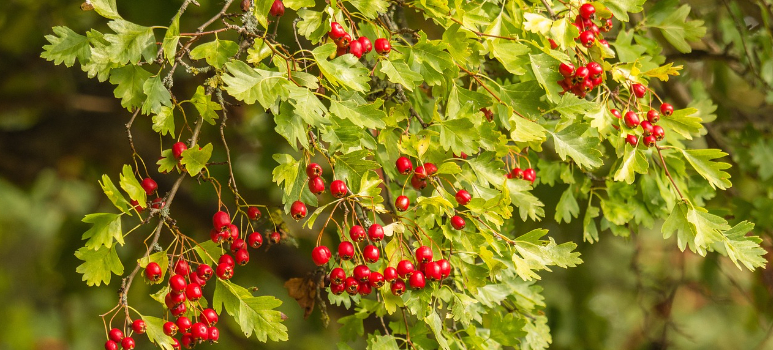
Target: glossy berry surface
pixel 382 46
pixel 209 317
pixel 404 165
pixel 653 116
pixel 345 250
pixel 463 197
pixel 370 253
pixel 417 280
pixel 667 109
pixel 639 90
pixel 277 8
pixel 321 255
pixel 402 203
pixel 587 11
pixel 115 335
pixel 338 189
pixel 631 119
pixel 170 328
pixel 337 275
pixel 177 283
pixel 153 272
pixel 336 30
pixel 405 268
pixel 253 213
pixel 316 185
pixel 255 240
pixel 376 233
pixel 566 69
pixel 587 38
pixel 220 220
pixel 128 343
pixel 111 345
pixel 225 271
pixel 646 128
pixel 658 132
pixel 355 48
pixel 631 139
pixel 457 222
pixel 397 287
pixel 138 326
pixel 242 257
pixel 530 175
pixel 367 46
pixel 390 274
pixel 149 185
pixel 423 254
pixel 298 210
pixel 178 149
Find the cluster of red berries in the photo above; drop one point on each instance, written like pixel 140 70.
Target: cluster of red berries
pixel 527 174
pixel 115 337
pixel 651 132
pixel 590 31
pixel 582 80
pixel 357 47
pixel 316 184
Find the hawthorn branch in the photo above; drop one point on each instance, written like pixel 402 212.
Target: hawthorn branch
pixel 550 9
pixel 231 179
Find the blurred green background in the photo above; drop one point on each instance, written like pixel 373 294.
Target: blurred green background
pixel 59 132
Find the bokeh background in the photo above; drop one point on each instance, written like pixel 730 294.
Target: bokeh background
pixel 60 131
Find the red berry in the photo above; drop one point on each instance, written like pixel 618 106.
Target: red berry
pixel 445 268
pixel 639 90
pixel 431 168
pixel 530 175
pixel 361 273
pixel 274 237
pixel 462 155
pixel 321 255
pixel 178 310
pixel 487 113
pixel 178 149
pixel 587 11
pixel 193 277
pixel 566 69
pixel 184 324
pixel 463 197
pixel 237 245
pixel 616 113
pixel 351 285
pixel 214 334
pixel 382 46
pixel 650 141
pixel 606 25
pixel 232 233
pixel 632 140
pixel 170 328
pixel 423 254
pixel 338 189
pixel 357 233
pixel 128 343
pixel 316 185
pixel 181 267
pixel 111 345
pixel 175 342
pixel 313 170
pixel 188 341
pixel 631 119
pixel 298 210
pixel 376 279
pixel 402 203
pixel 417 183
pixel 603 43
pixel 277 9
pixel 553 44
pixel 204 271
pixel 115 335
pixel 226 259
pixel 152 272
pixel 667 109
pixel 366 45
pixel 344 41
pixel 364 289
pixel 177 283
pixel 221 220
pixel 405 268
pixel 138 326
pixel 404 165
pixel 658 132
pixel 646 127
pixel 336 30
pixel 420 172
pixel 199 331
pixel 149 185
pixel 376 233
pixel 587 38
pixel 253 213
pixel 397 287
pixel 516 173
pixel 242 257
pixel 157 203
pixel 337 289
pixel 255 240
pixel 580 75
pixel 225 271
pixel 136 206
pixel 355 48
pixel 209 316
pixel 417 280
pixel 337 276
pixel 390 274
pixel 173 299
pixel 595 69
pixel 457 222
pixel 432 271
pixel 370 253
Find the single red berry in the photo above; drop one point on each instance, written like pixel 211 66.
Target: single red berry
pixel 370 253
pixel 321 255
pixel 149 185
pixel 594 28
pixel 199 331
pixel 216 236
pixel 204 271
pixel 157 203
pixel 337 275
pixel 417 280
pixel 221 220
pixel 516 173
pixel 138 326
pixel 376 279
pixel 274 237
pixel 432 271
pixel 667 109
pixel 366 45
pixel 298 210
pixel 338 189
pixel 364 289
pixel 595 69
pixel 357 233
pixel 209 316
pixel 404 165
pixel 242 256
pixel 316 185
pixel 553 44
pixel 175 342
pixel 355 48
pixel 631 139
pixel 639 90
pixel 376 233
pixel 658 132
pixel 587 11
pixel 115 335
pixel 650 141
pixel 188 341
pixel 225 271
pixel 336 30
pixel 431 168
pixel 344 41
pixel 193 277
pixel 457 222
pixel 382 46
pixel 405 268
pixel 177 283
pixel 178 310
pixel 214 334
pixel 178 149
pixel 152 272
pixel 566 69
pixel 337 289
pixel 351 285
pixel 580 75
pixel 253 213
pixel 128 343
pixel 420 172
pixel 646 127
pixel 255 240
pixel 606 25
pixel 173 299
pixel 181 267
pixel 402 203
pixel 587 38
pixel 136 206
pixel 233 233
pixel 530 175
pixel 423 254
pixel 597 81
pixel 588 85
pixel 111 345
pixel 417 183
pixel 397 287
pixel 361 273
pixel 631 119
pixel 616 113
pixel 277 9
pixel 390 274
pixel 463 197
pixel 170 328
pixel 445 268
pixel 226 259
pixel 184 324
pixel 237 245
pixel 604 43
pixel 313 170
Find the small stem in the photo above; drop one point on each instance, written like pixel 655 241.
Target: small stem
pixel 668 174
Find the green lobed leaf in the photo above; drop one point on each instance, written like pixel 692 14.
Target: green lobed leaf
pixel 459 136
pixel 353 166
pixel 545 69
pixel 163 121
pixel 98 265
pixel 253 85
pixel 370 8
pixel 253 314
pixel 762 156
pixel 131 42
pixel 216 52
pixel 703 161
pixel 675 26
pixel 291 126
pixel 171 39
pixel 529 206
pixel 106 8
pixel 66 46
pixel 399 72
pixel 161 258
pixel 154 328
pixel 99 64
pixel 534 254
pixel 131 185
pixel 167 162
pixel 286 171
pixel 114 194
pixel 369 116
pixel 157 96
pixel 567 207
pixel 195 159
pixel 743 249
pixel 570 142
pixel 105 228
pixel 345 70
pixel 683 122
pixel 204 104
pixel 130 81
pixel 633 162
pixel 621 8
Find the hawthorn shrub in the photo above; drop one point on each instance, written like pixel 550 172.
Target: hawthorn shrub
pixel 414 159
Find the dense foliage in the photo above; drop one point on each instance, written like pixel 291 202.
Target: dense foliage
pixel 496 104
